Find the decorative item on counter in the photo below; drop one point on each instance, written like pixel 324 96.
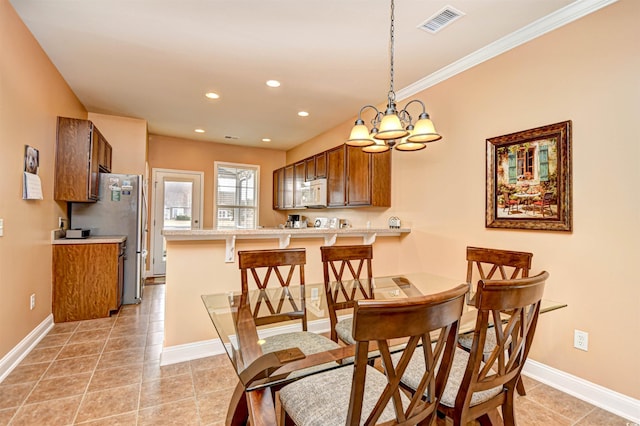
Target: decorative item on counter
pixel 394 222
pixel 344 223
pixel 334 222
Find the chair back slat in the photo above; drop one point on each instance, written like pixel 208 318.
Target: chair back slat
pixel 347 278
pixel 276 303
pixel 416 319
pixel 492 264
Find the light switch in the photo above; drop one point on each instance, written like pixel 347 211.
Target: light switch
pixel 1 227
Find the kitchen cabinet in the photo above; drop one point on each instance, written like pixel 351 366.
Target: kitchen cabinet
pixel 298 183
pixel 354 178
pixel 321 165
pixel 104 153
pixel 80 156
pixel 316 166
pixel 368 178
pixel 278 188
pixel 288 187
pixel 336 177
pixel 310 168
pixel 88 280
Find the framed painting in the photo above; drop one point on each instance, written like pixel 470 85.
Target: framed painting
pixel 529 179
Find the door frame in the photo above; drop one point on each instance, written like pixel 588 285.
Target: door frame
pixel 155 172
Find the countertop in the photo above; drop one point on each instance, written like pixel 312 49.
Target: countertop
pixel 94 239
pixel 221 234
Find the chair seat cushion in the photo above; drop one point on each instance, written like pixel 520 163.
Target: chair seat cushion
pixel 323 399
pixel 415 370
pixel 309 343
pixel 466 341
pixel 343 330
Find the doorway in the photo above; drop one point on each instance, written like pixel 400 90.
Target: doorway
pixel 177 204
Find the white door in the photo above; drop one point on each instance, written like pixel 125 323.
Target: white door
pixel 177 204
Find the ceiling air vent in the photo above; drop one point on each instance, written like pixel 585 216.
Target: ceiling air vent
pixel 441 19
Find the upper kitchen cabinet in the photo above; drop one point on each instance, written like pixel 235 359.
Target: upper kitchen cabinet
pixel 278 189
pixel 336 177
pixel 354 178
pixel 316 166
pixel 80 156
pixel 288 187
pixel 298 183
pixel 368 178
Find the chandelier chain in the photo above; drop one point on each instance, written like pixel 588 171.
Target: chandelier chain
pixel 392 94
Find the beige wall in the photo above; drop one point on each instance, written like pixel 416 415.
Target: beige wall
pixel 32 95
pixel 184 154
pixel 128 138
pixel 587 72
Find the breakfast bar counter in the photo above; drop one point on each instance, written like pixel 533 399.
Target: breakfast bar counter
pixel 204 262
pixel 283 235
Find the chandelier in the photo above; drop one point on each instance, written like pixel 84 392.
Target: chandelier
pixel 393 127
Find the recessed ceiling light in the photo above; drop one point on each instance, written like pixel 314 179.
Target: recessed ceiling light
pixel 266 140
pixel 273 83
pixel 199 130
pixel 303 114
pixel 212 95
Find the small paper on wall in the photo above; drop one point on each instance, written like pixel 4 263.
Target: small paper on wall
pixel 32 187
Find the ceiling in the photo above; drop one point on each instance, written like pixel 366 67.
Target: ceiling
pixel 155 59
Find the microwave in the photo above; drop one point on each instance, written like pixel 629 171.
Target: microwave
pixel 314 194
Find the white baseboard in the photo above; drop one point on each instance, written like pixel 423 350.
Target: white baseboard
pixel 191 351
pixel 608 400
pixel 11 360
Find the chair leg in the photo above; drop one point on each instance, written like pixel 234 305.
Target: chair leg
pixel 492 418
pixel 508 409
pixel 520 387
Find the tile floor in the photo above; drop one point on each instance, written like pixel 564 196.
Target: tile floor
pixel 107 372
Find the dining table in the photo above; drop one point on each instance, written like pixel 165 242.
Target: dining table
pixel 260 373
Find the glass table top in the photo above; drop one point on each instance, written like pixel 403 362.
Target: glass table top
pixel 235 321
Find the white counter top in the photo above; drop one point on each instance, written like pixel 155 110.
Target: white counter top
pixel 97 239
pixel 284 235
pixel 223 234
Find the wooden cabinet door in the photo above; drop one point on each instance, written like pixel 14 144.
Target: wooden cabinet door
pixel 277 188
pixel 335 176
pixel 85 281
pixel 298 183
pixel 104 152
pixel 76 164
pixel 358 172
pixel 321 165
pixel 381 179
pixel 288 187
pixel 310 168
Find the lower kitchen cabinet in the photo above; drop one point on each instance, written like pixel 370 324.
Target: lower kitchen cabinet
pixel 88 280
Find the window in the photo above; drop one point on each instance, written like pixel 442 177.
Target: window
pixel 236 198
pixel 525 162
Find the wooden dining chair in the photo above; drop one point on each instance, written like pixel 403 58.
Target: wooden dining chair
pixel 487 264
pixel 479 384
pixel 278 304
pixel 347 278
pixel 361 394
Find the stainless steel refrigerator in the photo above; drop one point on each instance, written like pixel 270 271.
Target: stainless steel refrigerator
pixel 120 210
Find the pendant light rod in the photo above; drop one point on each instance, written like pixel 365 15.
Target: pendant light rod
pixel 393 127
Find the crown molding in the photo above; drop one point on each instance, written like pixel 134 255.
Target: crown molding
pixel 557 19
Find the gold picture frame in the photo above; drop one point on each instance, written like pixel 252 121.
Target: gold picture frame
pixel 528 181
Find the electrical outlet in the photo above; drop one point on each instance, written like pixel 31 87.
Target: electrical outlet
pixel 581 340
pixel 32 301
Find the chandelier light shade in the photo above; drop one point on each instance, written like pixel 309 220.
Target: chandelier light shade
pixel 393 127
